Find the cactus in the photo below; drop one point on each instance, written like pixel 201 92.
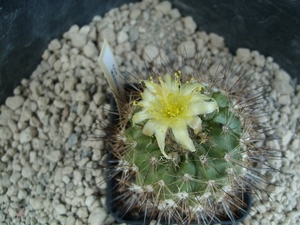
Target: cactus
pixel 185 148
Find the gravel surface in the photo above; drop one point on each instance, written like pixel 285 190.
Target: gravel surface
pixel 52 161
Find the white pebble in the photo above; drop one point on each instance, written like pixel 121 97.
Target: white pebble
pixel 28 134
pixel 187 48
pixel 88 120
pixel 60 209
pixel 189 23
pixel 67 129
pixel 99 98
pixel 14 102
pixel 135 14
pixel 164 7
pixel 216 40
pixel 54 45
pixel 5 133
pixel 54 155
pixel 97 216
pixel 59 104
pixel 37 203
pixel 150 52
pixel 82 212
pixel 287 138
pixel 243 55
pixel 78 39
pixel 70 220
pixel 122 37
pixel 89 200
pixel 27 171
pixel 82 96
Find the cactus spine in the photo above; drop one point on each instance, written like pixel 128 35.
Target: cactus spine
pixel 184 147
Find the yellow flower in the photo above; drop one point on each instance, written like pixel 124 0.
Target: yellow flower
pixel 171 104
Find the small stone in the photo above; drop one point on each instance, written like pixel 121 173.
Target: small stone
pixel 85 29
pixel 27 171
pixel 12 125
pixel 282 75
pixel 97 216
pixel 66 179
pixel 216 40
pixel 187 48
pixel 67 129
pixel 88 191
pixel 90 50
pixel 122 37
pixel 243 55
pixel 5 182
pixel 108 33
pixel 88 120
pixel 259 60
pixel 189 23
pixel 37 203
pixel 15 177
pixel 289 155
pixel 82 96
pixel 284 100
pixel 14 102
pixel 57 65
pixel 82 212
pixel 135 14
pixel 60 209
pixel 99 98
pixel 287 138
pixel 22 194
pixel 67 170
pixel 83 162
pixel 77 175
pixel 73 139
pixel 174 13
pixel 5 133
pixel 54 156
pixel 164 7
pixel 133 35
pixel 150 52
pixel 69 83
pixel 70 220
pixel 43 103
pixel 54 45
pixel 25 115
pixel 78 39
pixel 59 104
pixel 89 200
pixel 27 135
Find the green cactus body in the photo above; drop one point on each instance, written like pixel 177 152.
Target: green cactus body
pixel 187 186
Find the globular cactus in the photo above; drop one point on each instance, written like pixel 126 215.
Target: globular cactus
pixel 185 148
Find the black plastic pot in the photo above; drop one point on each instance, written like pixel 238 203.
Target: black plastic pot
pixel 115 207
pixel 26 28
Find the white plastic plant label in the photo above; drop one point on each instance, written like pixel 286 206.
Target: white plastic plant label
pixel 108 65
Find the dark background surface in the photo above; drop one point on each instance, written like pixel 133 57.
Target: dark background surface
pixel 27 26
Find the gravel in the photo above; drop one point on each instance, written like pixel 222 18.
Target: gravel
pixel 52 158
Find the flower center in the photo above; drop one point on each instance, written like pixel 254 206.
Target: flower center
pixel 173 106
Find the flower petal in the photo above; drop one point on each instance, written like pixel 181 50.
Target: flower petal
pixel 189 88
pixel 141 116
pixel 150 85
pixel 149 128
pixel 202 107
pixel 195 123
pixel 171 84
pixel 181 135
pixel 160 134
